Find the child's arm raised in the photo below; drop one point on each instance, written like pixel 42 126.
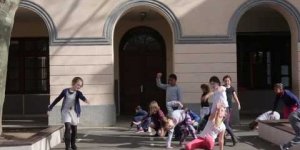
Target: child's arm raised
pixel 179 94
pixel 213 115
pixel 158 82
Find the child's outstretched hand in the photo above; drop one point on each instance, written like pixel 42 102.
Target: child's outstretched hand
pixel 180 104
pixel 159 75
pixel 87 101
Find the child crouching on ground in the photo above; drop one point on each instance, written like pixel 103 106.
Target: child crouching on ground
pixel 139 115
pixel 157 116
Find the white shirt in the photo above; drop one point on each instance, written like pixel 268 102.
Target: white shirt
pixel 211 130
pixel 69 101
pixel 268 116
pixel 219 96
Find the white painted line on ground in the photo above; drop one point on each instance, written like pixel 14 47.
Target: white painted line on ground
pixel 151 137
pixel 87 140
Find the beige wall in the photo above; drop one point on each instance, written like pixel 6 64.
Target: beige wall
pixel 86 18
pixel 203 61
pixel 161 26
pixel 92 63
pixel 65 15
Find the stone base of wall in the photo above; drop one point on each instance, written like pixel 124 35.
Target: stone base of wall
pixel 91 116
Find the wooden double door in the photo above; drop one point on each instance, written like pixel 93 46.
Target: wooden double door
pixel 142 55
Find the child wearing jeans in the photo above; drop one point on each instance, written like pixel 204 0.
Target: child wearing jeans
pixel 70 110
pixel 294 119
pixel 173 94
pixel 139 115
pixel 157 116
pixel 214 127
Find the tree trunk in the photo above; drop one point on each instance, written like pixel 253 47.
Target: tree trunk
pixel 8 9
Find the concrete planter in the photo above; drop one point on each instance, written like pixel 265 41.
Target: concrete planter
pixel 43 140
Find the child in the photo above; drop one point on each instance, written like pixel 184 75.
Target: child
pixel 177 117
pixel 213 128
pixel 219 95
pixel 195 118
pixel 70 110
pixel 230 93
pixel 265 116
pixel 189 122
pixel 290 100
pixel 157 117
pixel 139 115
pixel 204 100
pixel 294 119
pixel 173 91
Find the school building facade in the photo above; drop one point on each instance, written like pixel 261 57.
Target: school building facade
pixel 118 46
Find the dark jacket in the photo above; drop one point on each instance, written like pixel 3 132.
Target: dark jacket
pixel 288 98
pixel 63 94
pixel 141 113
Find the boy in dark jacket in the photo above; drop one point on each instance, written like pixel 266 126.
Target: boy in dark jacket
pixel 288 98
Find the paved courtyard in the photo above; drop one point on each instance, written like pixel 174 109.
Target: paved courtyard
pixel 124 139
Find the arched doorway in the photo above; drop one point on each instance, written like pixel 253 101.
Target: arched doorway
pixel 142 55
pixel 263 57
pixel 147 35
pixel 27 89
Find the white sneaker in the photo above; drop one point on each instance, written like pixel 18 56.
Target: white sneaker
pixel 282 147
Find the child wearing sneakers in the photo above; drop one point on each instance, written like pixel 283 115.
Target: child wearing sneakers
pixel 139 115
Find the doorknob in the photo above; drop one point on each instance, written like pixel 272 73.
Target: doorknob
pixel 142 88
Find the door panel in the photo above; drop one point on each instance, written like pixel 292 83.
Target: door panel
pixel 142 55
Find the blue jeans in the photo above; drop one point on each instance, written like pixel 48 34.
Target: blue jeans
pixel 229 129
pixel 295 122
pixel 144 125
